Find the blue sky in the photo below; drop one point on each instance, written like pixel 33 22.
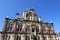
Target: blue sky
pixel 49 10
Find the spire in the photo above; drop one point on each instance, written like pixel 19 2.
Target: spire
pixel 26 10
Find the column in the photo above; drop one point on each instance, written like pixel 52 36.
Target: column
pixel 0 36
pixel 12 37
pixel 47 37
pixel 41 38
pixel 22 38
pixel 30 37
pixel 54 37
pixel 30 17
pixel 40 29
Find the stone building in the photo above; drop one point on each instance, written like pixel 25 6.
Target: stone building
pixel 58 36
pixel 27 27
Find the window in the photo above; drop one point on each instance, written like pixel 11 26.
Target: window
pixel 37 29
pixel 35 18
pixel 33 29
pixel 50 37
pixel 20 26
pixel 10 26
pixel 5 37
pixel 18 38
pixel 49 29
pixel 43 27
pixel 27 37
pixel 27 29
pixel 44 38
pixel 58 39
pixel 8 38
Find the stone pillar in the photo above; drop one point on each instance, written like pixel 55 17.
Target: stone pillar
pixel 23 27
pixel 0 36
pixel 40 29
pixel 22 37
pixel 30 37
pixel 47 37
pixel 54 37
pixel 30 18
pixel 12 37
pixel 41 38
pixel 24 15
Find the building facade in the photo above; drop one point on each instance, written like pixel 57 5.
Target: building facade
pixel 58 36
pixel 27 27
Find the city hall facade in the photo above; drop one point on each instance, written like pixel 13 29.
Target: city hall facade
pixel 28 27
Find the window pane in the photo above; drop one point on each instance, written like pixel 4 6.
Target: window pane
pixel 18 38
pixel 43 27
pixel 27 37
pixel 33 29
pixel 37 29
pixel 20 26
pixel 27 29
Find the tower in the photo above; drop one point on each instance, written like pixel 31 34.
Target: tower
pixel 25 13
